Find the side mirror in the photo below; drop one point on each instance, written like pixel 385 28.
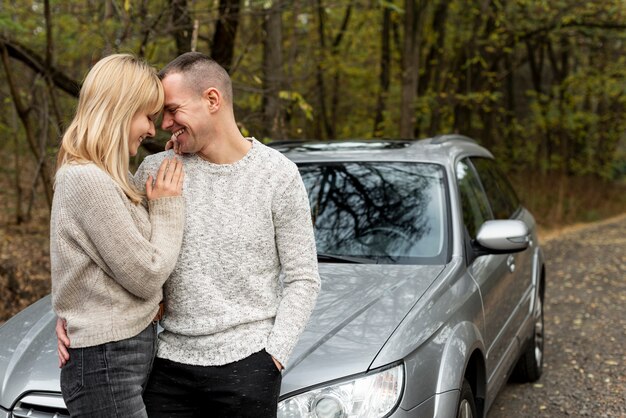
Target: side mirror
pixel 502 236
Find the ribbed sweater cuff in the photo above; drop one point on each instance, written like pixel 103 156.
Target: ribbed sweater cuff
pixel 280 352
pixel 166 205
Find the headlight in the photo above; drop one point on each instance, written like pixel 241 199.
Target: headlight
pixel 371 396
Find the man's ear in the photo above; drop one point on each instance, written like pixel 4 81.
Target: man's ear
pixel 213 98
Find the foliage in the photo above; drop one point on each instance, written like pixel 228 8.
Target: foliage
pixel 541 83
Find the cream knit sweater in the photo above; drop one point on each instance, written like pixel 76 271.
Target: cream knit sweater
pixel 109 257
pixel 247 277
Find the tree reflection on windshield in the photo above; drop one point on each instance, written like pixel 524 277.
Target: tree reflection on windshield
pixel 385 212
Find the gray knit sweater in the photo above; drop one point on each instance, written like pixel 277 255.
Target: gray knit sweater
pixel 246 278
pixel 109 258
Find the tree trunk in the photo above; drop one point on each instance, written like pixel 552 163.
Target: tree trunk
pixel 535 63
pixel 434 69
pixel 295 49
pixel 182 25
pixel 413 14
pixel 274 119
pixel 560 72
pixel 223 45
pixel 385 68
pixel 19 212
pixel 324 126
pixel 510 108
pixel 472 74
pixel 43 142
pixel 49 69
pixel 334 104
pixel 23 113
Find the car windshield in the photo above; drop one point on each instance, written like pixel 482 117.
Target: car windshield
pixel 378 212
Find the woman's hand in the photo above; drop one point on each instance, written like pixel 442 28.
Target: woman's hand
pixel 63 342
pixel 277 363
pixel 173 143
pixel 168 182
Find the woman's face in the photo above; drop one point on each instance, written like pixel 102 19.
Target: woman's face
pixel 141 126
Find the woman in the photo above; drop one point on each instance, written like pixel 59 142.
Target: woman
pixel 110 254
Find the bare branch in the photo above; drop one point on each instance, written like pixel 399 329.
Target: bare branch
pixel 37 63
pixel 579 24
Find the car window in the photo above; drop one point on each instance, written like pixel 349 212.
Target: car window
pixel 380 212
pixel 504 202
pixel 474 202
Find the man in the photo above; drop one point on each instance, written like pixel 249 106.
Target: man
pixel 230 321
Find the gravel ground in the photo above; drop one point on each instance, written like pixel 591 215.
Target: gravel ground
pixel 585 320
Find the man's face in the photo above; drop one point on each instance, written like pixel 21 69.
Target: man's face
pixel 185 114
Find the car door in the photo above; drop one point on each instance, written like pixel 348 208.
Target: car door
pixel 495 274
pixel 518 281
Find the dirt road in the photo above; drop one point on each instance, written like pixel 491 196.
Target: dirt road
pixel 585 320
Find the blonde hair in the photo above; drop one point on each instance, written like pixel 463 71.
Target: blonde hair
pixel 115 89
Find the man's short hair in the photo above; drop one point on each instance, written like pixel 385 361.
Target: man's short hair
pixel 200 73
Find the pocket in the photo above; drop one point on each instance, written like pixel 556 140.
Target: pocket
pixel 72 379
pixel 271 361
pixel 275 377
pixel 155 337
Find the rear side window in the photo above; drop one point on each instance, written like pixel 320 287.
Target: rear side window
pixel 504 202
pixel 474 202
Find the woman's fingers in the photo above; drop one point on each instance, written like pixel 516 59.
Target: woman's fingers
pixel 162 170
pixel 178 174
pixel 181 179
pixel 149 187
pixel 172 143
pixel 63 342
pixel 61 331
pixel 168 181
pixel 171 168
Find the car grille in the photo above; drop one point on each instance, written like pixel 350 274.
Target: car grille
pixel 40 405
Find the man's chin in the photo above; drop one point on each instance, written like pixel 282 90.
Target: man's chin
pixel 185 150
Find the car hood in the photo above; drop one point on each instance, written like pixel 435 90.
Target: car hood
pixel 358 308
pixel 28 359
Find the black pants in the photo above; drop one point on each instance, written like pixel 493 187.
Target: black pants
pixel 245 388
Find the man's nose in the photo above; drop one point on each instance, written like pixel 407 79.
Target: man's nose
pixel 167 121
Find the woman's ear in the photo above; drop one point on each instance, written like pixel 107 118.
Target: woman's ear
pixel 213 98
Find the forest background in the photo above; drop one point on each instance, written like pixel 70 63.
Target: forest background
pixel 541 83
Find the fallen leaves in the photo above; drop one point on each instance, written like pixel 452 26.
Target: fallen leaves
pixel 24 264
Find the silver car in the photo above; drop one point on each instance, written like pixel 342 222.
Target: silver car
pixel 432 289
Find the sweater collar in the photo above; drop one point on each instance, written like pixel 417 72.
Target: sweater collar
pixel 229 168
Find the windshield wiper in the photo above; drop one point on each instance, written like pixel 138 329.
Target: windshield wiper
pixel 330 258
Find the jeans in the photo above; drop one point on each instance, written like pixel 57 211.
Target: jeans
pixel 245 388
pixel 108 380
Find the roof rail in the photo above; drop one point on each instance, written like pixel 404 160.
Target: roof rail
pixel 289 141
pixel 442 139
